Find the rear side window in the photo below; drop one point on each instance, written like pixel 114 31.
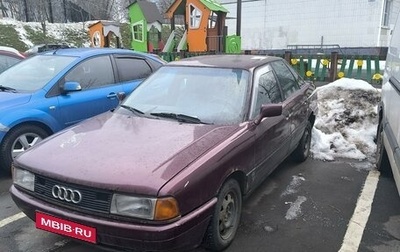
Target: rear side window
pixel 285 77
pixel 299 79
pixel 132 68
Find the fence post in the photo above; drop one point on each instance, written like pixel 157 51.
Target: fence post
pixel 288 56
pixel 333 69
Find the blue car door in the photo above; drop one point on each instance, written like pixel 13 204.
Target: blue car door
pixel 98 92
pixel 131 71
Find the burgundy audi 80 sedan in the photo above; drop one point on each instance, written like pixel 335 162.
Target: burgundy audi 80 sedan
pixel 168 169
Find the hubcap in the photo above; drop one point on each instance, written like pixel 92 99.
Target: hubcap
pixel 24 142
pixel 227 216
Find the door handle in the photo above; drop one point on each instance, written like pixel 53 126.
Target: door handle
pixel 112 96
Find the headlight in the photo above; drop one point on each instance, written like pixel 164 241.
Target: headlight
pixel 24 178
pixel 144 208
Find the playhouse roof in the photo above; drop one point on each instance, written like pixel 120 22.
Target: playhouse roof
pixel 105 23
pixel 150 11
pixel 214 5
pixel 108 26
pixel 178 7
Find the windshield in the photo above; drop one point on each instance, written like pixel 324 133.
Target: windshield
pixel 34 73
pixel 213 95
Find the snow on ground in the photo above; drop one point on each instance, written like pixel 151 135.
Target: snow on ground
pixel 55 30
pixel 347 121
pixel 345 127
pixel 295 208
pixel 293 186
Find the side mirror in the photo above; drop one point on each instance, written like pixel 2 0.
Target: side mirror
pixel 121 96
pixel 268 110
pixel 71 86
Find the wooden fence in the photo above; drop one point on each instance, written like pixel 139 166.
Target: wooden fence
pixel 318 67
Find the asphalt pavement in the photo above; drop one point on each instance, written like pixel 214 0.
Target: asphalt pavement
pixel 300 207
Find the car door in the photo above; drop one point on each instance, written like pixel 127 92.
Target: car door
pixel 131 71
pixel 272 134
pixel 295 100
pixel 99 91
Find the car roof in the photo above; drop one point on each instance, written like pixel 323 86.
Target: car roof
pixel 89 51
pixel 11 51
pixel 226 61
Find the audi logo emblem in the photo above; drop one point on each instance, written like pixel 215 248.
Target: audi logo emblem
pixel 66 194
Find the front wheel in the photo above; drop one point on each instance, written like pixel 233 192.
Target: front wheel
pixel 382 160
pixel 17 141
pixel 302 151
pixel 225 221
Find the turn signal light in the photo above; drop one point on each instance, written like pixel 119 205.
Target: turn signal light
pixel 166 208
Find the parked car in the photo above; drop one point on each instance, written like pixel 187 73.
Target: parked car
pixel 167 170
pixel 51 91
pixel 8 57
pixel 388 135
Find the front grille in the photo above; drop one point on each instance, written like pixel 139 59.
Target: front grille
pixel 92 199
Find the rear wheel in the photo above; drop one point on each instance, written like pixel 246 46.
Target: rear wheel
pixel 17 141
pixel 302 151
pixel 382 160
pixel 225 221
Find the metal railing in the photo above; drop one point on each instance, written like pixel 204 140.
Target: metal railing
pixel 317 67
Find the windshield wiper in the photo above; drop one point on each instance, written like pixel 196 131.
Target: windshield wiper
pixel 4 88
pixel 180 117
pixel 132 109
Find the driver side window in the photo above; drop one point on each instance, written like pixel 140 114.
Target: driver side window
pixel 266 91
pixel 93 73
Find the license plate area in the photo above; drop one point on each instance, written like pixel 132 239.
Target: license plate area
pixel 63 227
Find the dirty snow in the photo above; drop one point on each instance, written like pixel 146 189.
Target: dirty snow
pixel 347 120
pixel 294 185
pixel 295 208
pixel 345 127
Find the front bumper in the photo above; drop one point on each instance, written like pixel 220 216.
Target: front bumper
pixel 185 233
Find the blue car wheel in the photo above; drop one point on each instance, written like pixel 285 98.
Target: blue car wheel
pixel 17 141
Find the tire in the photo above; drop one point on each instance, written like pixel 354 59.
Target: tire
pixel 17 141
pixel 226 217
pixel 302 151
pixel 382 159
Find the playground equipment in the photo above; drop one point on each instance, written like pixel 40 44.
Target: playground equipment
pixel 205 28
pixel 145 20
pixel 102 33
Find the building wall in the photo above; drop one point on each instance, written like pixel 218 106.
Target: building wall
pixel 275 24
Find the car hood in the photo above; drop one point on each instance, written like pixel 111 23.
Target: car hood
pixel 123 153
pixel 8 99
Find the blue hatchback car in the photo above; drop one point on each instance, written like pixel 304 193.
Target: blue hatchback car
pixel 51 91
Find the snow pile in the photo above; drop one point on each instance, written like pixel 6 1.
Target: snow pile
pixel 347 120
